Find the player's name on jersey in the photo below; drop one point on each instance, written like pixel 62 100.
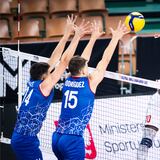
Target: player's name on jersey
pixel 74 84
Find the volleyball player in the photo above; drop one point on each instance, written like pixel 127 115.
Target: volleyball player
pixel 39 95
pixel 151 127
pixel 78 99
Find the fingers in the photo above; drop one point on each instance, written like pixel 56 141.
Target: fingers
pixel 111 29
pixel 83 29
pixel 86 32
pixel 87 29
pixel 82 23
pixel 95 23
pixel 119 27
pixel 75 27
pixel 68 18
pixel 85 24
pixel 75 18
pixel 119 24
pixel 71 18
pixel 95 27
pixel 102 33
pixel 123 27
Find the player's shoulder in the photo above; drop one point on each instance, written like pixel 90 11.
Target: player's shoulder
pixel 34 84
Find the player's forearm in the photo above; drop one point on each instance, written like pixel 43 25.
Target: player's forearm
pixel 108 53
pixel 57 53
pixel 88 50
pixel 68 54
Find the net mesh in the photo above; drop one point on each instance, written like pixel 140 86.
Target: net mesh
pixel 115 129
pixel 26 64
pixel 9 72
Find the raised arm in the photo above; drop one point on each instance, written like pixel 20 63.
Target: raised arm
pixel 47 85
pixel 80 31
pixel 97 76
pixel 57 53
pixel 96 33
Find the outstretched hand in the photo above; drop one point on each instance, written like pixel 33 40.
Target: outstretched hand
pixel 69 28
pixel 82 29
pixel 120 31
pixel 96 31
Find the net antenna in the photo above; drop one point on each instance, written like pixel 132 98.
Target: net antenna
pixel 19 62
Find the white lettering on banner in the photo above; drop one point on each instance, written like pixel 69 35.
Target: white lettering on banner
pixel 116 126
pixel 59 86
pixel 133 79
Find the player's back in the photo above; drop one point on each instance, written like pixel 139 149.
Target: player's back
pixel 32 110
pixel 77 106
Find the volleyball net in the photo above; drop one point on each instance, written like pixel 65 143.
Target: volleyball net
pixel 115 129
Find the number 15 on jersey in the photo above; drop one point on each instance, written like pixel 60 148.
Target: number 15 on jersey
pixel 71 99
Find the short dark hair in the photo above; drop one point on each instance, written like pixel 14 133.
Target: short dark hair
pixel 38 69
pixel 76 64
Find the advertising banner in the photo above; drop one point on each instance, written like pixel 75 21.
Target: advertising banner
pixel 114 131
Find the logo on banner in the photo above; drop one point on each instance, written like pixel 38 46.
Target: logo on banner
pixel 9 65
pixel 90 146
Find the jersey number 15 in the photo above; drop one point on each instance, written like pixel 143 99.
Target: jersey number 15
pixel 70 96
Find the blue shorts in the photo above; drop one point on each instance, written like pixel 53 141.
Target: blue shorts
pixel 26 147
pixel 68 147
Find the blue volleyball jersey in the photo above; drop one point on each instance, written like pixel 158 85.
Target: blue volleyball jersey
pixel 33 110
pixel 77 106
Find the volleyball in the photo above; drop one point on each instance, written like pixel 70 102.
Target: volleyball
pixel 135 21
